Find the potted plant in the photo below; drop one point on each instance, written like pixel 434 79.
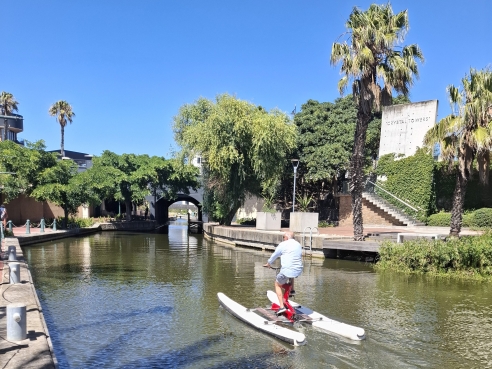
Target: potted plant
pixel 301 220
pixel 269 218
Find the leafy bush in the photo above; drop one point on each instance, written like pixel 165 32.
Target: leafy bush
pixel 269 204
pixel 465 257
pixel 75 222
pixel 467 219
pixel 325 224
pixel 82 222
pixel 441 219
pixel 303 202
pixel 247 221
pixel 482 218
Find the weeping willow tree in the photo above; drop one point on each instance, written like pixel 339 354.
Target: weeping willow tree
pixel 375 65
pixel 466 135
pixel 243 146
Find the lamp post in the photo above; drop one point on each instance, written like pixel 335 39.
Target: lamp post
pixel 295 164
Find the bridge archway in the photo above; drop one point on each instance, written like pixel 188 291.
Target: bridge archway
pixel 162 207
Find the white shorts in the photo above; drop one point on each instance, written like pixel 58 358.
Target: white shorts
pixel 282 279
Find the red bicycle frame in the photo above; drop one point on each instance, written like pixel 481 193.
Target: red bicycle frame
pixel 290 313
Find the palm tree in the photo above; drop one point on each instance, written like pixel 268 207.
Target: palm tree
pixel 466 134
pixel 9 105
pixel 370 60
pixel 63 112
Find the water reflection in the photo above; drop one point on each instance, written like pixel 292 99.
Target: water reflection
pixel 128 300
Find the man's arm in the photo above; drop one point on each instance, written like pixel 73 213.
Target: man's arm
pixel 275 255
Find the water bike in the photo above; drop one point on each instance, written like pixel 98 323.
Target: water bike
pixel 282 326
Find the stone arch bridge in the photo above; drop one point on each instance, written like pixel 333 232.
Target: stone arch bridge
pixel 159 207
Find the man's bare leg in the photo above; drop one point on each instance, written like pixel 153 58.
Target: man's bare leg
pixel 280 294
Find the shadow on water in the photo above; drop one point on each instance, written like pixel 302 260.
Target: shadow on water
pixel 112 317
pixel 188 355
pixel 107 318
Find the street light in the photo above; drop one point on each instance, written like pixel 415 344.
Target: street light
pixel 295 164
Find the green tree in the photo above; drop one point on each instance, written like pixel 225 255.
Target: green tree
pixel 61 185
pixel 9 105
pixel 244 147
pixel 130 178
pixel 22 166
pixel 63 112
pixel 466 134
pixel 326 133
pixel 370 59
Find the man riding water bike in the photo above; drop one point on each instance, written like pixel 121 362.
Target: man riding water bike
pixel 290 252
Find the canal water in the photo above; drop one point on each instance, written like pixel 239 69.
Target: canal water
pixel 130 300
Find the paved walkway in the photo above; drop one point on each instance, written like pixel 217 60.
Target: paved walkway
pixel 21 231
pixel 36 350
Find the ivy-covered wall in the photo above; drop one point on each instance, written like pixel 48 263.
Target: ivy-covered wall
pixel 411 179
pixel 423 182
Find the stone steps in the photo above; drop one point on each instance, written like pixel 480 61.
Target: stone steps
pixel 390 209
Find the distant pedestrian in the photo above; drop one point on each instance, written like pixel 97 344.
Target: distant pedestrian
pixel 3 215
pixel 146 212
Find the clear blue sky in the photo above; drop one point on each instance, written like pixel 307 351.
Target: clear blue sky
pixel 126 67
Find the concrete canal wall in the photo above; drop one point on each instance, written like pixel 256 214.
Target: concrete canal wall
pixel 240 236
pixel 321 245
pixel 137 226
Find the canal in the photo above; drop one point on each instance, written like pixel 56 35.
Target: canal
pixel 130 300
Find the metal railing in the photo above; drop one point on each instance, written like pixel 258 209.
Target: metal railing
pixel 400 200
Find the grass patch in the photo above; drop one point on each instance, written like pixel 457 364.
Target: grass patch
pixel 468 257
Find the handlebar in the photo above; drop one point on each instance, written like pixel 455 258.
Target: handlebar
pixel 274 268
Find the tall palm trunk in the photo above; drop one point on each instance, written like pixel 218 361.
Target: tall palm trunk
pixel 465 160
pixel 483 160
pixel 62 147
pixel 357 174
pixel 458 201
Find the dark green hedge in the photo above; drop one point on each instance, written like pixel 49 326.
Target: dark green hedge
pixel 481 218
pixel 441 219
pixel 465 257
pixel 247 221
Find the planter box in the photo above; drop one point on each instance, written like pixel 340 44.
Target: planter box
pixel 300 221
pixel 268 221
